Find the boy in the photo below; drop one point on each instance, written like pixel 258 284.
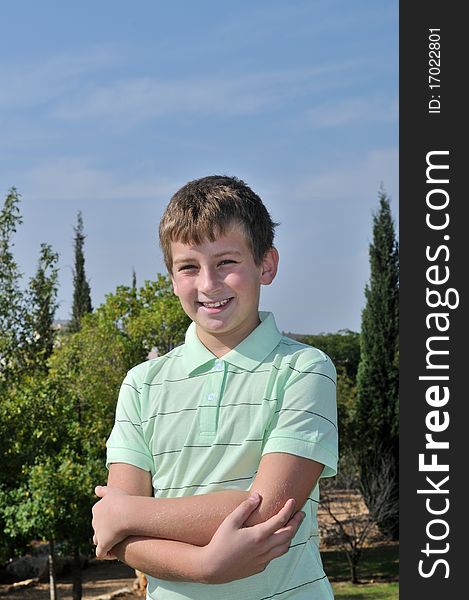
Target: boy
pixel 216 442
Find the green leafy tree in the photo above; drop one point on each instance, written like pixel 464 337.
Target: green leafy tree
pixel 81 288
pixel 26 341
pixel 63 421
pixel 59 421
pixel 42 307
pixel 12 309
pixel 377 379
pixel 87 368
pixel 150 317
pixel 33 425
pixel 160 323
pixel 343 347
pixel 346 409
pixel 54 503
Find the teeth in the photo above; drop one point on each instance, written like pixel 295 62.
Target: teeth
pixel 215 304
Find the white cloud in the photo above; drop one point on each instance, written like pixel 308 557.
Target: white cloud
pixel 140 99
pixel 357 178
pixel 366 109
pixel 45 80
pixel 75 179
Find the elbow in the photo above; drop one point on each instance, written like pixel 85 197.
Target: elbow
pixel 271 505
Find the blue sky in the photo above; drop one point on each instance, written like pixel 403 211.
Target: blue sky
pixel 109 107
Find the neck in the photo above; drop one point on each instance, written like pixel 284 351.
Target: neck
pixel 221 344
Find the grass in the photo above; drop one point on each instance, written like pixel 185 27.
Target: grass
pixel 378 570
pixel 366 591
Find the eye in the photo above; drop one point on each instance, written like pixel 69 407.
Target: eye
pixel 227 261
pixel 186 267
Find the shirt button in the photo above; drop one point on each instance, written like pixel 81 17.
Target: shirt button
pixel 211 397
pixel 218 365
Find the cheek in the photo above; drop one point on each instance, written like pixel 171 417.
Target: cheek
pixel 182 287
pixel 234 280
pixel 241 281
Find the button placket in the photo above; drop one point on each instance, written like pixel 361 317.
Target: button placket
pixel 210 402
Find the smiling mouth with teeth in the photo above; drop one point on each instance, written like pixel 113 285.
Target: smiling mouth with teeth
pixel 215 304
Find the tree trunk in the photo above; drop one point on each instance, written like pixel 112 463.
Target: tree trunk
pixel 354 560
pixel 52 580
pixel 353 573
pixel 76 575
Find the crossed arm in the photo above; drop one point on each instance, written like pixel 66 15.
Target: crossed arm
pixel 211 538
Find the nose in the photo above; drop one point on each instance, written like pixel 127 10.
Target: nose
pixel 209 281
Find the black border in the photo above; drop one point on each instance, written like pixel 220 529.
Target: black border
pixel 420 133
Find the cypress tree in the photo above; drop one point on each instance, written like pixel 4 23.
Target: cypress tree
pixel 12 307
pixel 81 306
pixel 81 288
pixel 43 304
pixel 377 413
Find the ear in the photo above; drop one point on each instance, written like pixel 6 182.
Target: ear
pixel 173 281
pixel 269 266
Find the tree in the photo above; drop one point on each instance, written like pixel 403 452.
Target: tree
pixel 377 378
pixel 346 411
pixel 88 369
pixel 54 426
pixel 160 321
pixel 26 341
pixel 66 417
pixel 12 309
pixel 34 422
pixel 347 521
pixel 54 503
pixel 150 317
pixel 81 288
pixel 343 348
pixel 43 304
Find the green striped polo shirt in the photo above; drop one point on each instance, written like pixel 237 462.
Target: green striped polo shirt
pixel 201 424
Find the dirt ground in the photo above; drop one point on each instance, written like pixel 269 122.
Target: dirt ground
pixel 100 579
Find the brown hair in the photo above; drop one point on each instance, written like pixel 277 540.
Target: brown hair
pixel 206 208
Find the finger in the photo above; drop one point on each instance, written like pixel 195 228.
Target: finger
pixel 293 523
pixel 282 536
pixel 288 532
pixel 279 520
pixel 102 552
pixel 95 540
pixel 100 490
pixel 276 552
pixel 239 516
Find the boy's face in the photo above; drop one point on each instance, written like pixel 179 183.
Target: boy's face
pixel 218 285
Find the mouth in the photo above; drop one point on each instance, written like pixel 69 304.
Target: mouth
pixel 217 305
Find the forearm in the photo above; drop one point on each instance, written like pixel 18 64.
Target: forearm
pixel 190 519
pixel 235 551
pixel 195 519
pixel 164 559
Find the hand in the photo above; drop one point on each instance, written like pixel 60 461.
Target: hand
pixel 109 520
pixel 236 552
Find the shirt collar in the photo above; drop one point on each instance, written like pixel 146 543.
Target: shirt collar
pixel 248 354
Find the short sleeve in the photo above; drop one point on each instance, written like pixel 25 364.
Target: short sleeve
pixel 126 442
pixel 305 420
